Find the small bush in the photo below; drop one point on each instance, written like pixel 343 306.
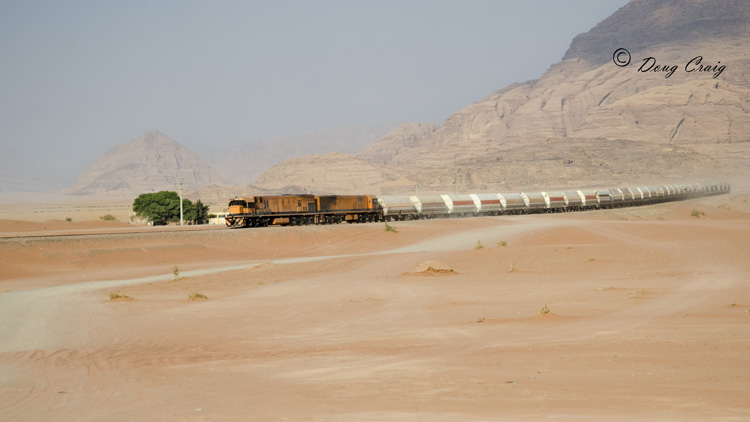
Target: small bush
pixel 196 296
pixel 502 243
pixel 544 311
pixel 479 245
pixel 175 272
pixel 390 228
pixel 108 217
pixel 697 213
pixel 68 219
pixel 638 294
pixel 115 296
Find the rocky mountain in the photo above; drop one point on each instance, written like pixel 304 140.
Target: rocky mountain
pixel 405 136
pixel 699 95
pixel 149 163
pixel 245 161
pixel 327 173
pixel 642 24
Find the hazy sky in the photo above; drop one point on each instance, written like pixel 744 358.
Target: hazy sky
pixel 78 77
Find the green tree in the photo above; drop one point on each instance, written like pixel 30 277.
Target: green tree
pixel 158 207
pixel 189 213
pixel 201 212
pixel 163 207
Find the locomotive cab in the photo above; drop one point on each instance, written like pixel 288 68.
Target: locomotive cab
pixel 241 206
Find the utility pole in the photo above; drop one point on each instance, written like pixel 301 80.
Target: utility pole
pixel 181 223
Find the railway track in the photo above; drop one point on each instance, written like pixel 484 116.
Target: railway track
pixel 79 233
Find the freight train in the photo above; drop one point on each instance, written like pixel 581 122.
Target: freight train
pixel 294 210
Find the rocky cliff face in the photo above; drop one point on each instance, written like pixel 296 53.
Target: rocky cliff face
pixel 405 136
pixel 150 163
pixel 327 173
pixel 642 24
pixel 588 100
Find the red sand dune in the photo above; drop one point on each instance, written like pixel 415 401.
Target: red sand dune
pixel 649 312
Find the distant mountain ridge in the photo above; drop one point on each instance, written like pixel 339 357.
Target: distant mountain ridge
pixel 585 118
pixel 246 161
pixel 149 163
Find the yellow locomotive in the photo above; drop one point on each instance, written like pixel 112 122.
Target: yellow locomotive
pixel 295 210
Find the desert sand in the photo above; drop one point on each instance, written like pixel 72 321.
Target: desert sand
pixel 629 314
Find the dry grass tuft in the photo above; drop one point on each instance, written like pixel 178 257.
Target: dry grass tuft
pixel 196 296
pixel 512 268
pixel 115 296
pixel 639 294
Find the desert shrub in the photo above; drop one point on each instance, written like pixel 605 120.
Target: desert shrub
pixel 175 272
pixel 390 228
pixel 115 295
pixel 544 311
pixel 108 217
pixel 196 295
pixel 69 219
pixel 479 245
pixel 697 213
pixel 638 294
pixel 502 243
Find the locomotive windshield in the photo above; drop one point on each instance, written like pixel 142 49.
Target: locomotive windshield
pixel 240 202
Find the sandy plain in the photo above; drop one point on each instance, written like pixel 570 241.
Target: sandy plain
pixel 649 319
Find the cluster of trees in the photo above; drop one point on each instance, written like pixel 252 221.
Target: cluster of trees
pixel 164 207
